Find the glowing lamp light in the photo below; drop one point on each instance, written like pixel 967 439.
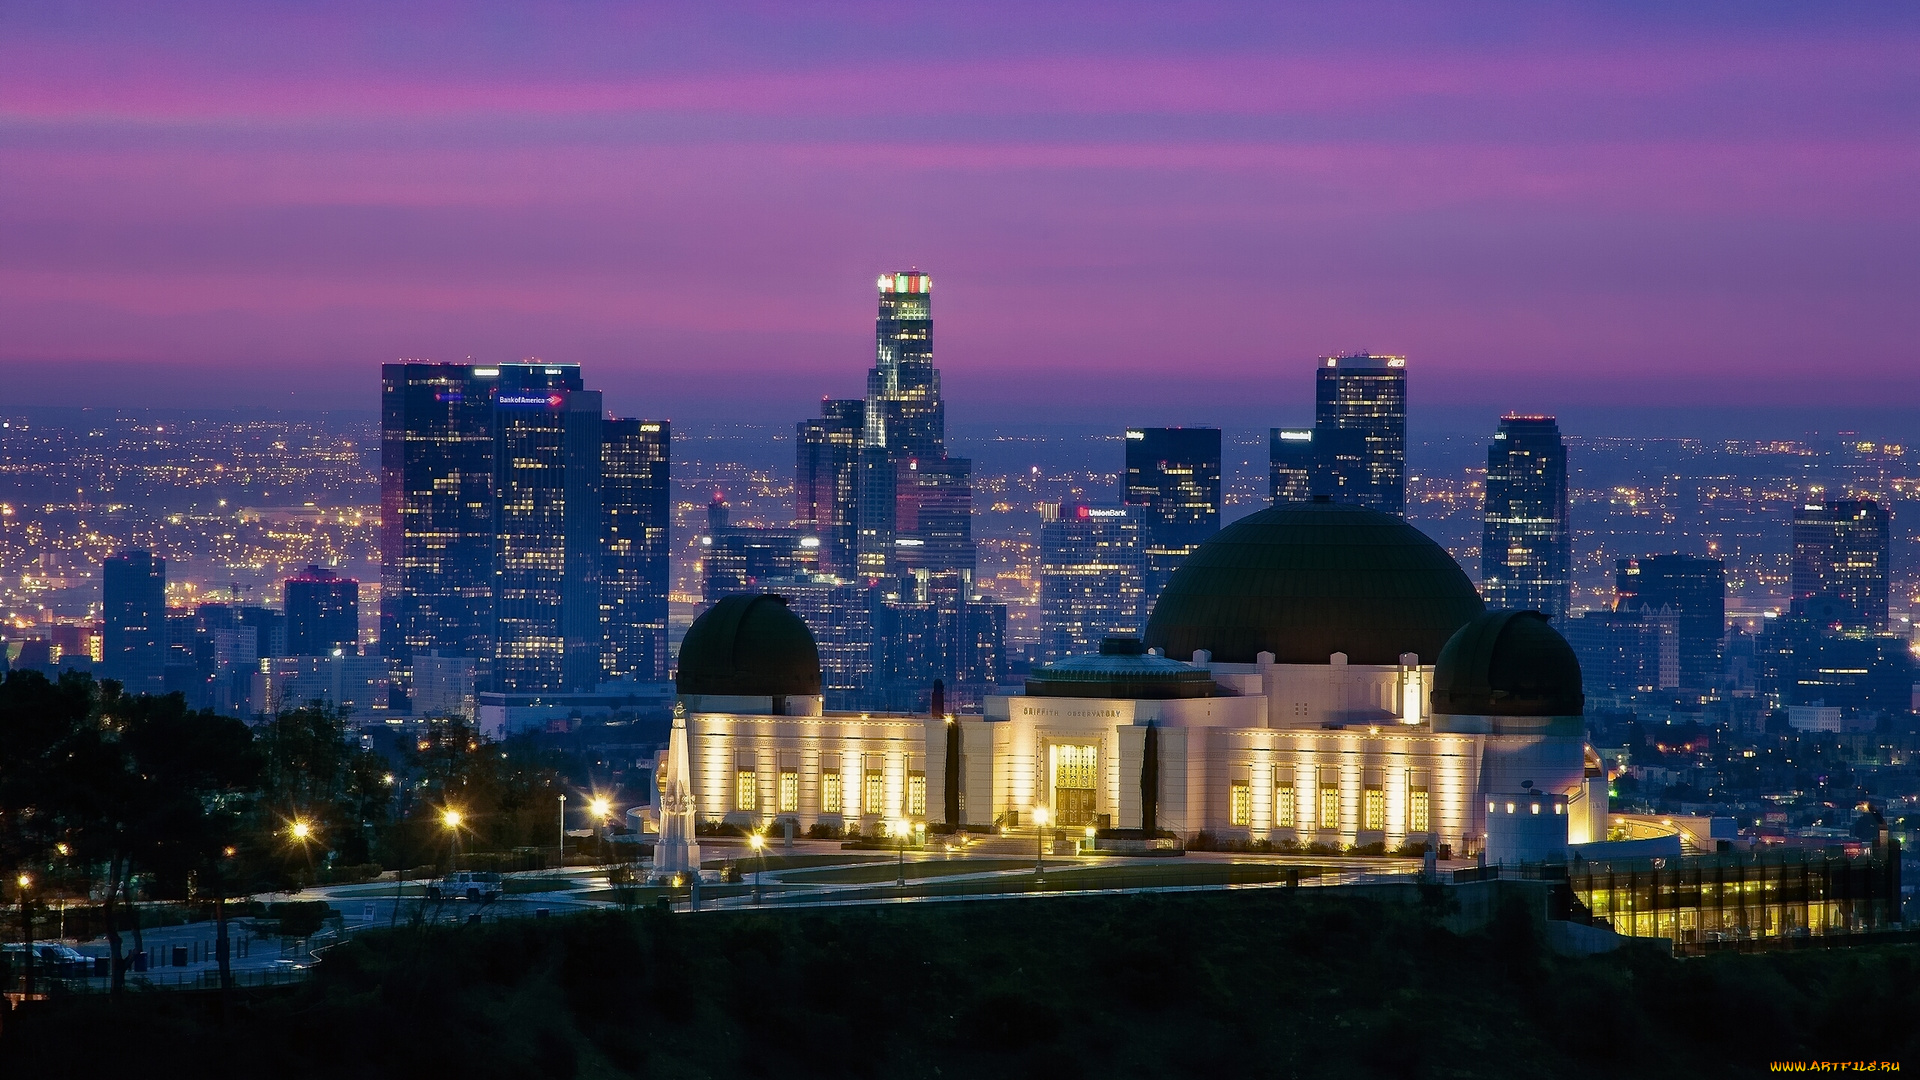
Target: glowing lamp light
pixel 756 841
pixel 301 830
pixel 600 806
pixel 451 818
pixel 1040 815
pixel 25 881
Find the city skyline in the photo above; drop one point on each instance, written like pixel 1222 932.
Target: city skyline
pixel 1410 534
pixel 1703 208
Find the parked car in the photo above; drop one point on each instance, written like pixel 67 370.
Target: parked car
pixel 466 885
pixel 51 958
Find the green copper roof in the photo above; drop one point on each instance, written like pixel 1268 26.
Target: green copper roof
pixel 1508 663
pixel 751 646
pixel 1122 669
pixel 1307 580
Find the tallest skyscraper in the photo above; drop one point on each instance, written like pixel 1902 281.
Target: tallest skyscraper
pixel 904 412
pixel 915 503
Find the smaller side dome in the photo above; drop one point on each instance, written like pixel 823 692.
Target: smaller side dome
pixel 1122 669
pixel 1508 663
pixel 749 646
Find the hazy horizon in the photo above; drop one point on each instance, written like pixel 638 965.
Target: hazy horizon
pixel 1543 207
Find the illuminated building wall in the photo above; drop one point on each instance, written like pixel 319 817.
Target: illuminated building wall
pixel 905 418
pixel 1526 548
pixel 437 502
pixel 1840 564
pixel 1173 478
pixel 1290 465
pixel 1368 395
pixel 1700 901
pixel 837 771
pixel 1092 579
pixel 933 519
pixel 636 496
pixel 827 481
pixel 1694 590
pixel 547 533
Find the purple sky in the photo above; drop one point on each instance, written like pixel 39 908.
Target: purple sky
pixel 1125 210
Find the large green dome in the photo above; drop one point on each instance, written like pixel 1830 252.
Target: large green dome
pixel 749 646
pixel 1508 663
pixel 1307 580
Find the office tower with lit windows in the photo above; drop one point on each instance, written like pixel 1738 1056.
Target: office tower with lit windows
pixel 826 475
pixel 133 621
pixel 1526 547
pixel 933 521
pixel 1173 486
pixel 1840 572
pixel 636 502
pixel 1091 578
pixel 737 559
pixel 1692 591
pixel 905 419
pixel 1290 465
pixel 437 507
pixel 547 528
pixel 323 613
pixel 1367 395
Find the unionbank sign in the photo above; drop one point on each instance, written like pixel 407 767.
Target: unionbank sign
pixel 530 401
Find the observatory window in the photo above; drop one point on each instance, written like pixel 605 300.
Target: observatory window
pixel 746 791
pixel 1419 811
pixel 876 792
pixel 1240 803
pixel 831 801
pixel 1376 808
pixel 916 794
pixel 789 791
pixel 1283 808
pixel 1329 807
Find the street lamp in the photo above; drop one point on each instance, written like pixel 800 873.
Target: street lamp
pixel 1039 841
pixel 301 830
pixel 25 882
pixel 758 843
pixel 599 808
pixel 452 818
pixel 900 829
pixel 563 831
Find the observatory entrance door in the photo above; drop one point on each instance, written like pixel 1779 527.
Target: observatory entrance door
pixel 1075 773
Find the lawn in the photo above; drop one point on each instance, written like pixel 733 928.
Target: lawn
pixel 889 871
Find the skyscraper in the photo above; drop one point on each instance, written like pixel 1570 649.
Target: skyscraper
pixel 1090 578
pixel 323 613
pixel 1526 548
pixel 546 535
pixel 933 520
pixel 1368 394
pixel 133 618
pixel 904 424
pixel 1840 564
pixel 1173 478
pixel 1290 464
pixel 636 495
pixel 742 559
pixel 904 411
pixel 437 509
pixel 827 481
pixel 1690 588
